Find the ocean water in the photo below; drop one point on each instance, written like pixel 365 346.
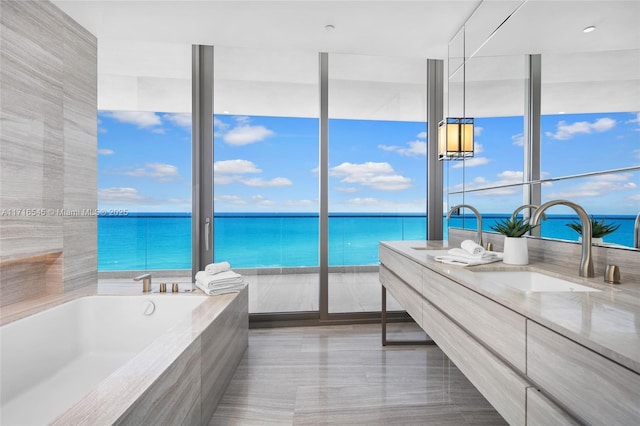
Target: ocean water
pixel 156 241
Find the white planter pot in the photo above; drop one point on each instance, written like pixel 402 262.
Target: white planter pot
pixel 515 251
pixel 593 240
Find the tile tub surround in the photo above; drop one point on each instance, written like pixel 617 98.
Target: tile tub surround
pixel 48 137
pixel 178 379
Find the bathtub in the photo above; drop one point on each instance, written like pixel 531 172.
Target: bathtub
pixel 52 359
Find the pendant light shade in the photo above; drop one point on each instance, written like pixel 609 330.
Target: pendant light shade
pixel 455 138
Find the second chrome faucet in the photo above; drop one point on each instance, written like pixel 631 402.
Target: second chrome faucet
pixel 586 262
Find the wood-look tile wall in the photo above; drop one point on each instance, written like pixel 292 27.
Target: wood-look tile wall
pixel 48 145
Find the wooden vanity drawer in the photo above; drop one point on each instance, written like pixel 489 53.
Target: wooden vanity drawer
pixel 408 298
pixel 499 384
pixel 543 412
pixel 408 270
pixel 594 388
pixel 498 327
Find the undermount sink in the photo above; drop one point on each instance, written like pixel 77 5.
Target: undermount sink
pixel 531 281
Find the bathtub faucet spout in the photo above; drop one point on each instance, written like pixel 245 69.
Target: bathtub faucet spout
pixel 146 282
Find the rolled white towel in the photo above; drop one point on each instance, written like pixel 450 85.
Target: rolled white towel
pixel 221 279
pixel 472 247
pixel 216 268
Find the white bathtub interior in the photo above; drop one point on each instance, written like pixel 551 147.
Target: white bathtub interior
pixel 52 359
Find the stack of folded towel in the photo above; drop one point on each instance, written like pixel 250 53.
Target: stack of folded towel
pixel 218 278
pixel 469 254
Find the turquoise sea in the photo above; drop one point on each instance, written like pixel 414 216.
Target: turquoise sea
pixel 157 241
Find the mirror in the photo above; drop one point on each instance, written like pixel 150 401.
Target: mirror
pixel 590 103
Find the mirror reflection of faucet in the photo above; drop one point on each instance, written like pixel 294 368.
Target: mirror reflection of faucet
pixel 533 207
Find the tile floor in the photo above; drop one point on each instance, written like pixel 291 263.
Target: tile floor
pixel 341 375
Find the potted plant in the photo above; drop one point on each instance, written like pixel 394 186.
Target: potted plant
pixel 515 247
pixel 598 229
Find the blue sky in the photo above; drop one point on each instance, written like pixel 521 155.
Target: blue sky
pixel 269 164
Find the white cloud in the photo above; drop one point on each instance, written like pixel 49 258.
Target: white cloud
pixel 119 195
pixel 636 152
pixel 507 177
pixel 158 171
pixel 219 124
pixel 231 199
pixel 275 182
pixel 635 120
pixel 477 130
pixel 518 139
pixel 598 186
pixel 421 135
pixel 380 176
pixel 634 197
pixel 300 203
pixel 231 171
pixel 246 134
pixel 566 131
pixel 234 167
pixel 105 151
pixel 346 189
pixel 142 119
pixel 363 201
pixel 471 162
pixel 262 201
pixel 180 119
pixel 415 148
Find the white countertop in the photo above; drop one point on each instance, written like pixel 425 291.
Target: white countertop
pixel 607 322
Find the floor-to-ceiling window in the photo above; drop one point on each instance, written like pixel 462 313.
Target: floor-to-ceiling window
pixel 266 174
pixel 377 170
pixel 144 159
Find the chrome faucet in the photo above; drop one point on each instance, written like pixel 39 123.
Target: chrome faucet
pixel 457 208
pixel 146 282
pixel 636 232
pixel 526 206
pixel 586 263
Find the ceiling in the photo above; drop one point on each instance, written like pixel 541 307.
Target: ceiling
pixel 378 47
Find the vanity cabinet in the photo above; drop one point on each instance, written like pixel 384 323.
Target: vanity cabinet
pixel 406 296
pixel 596 389
pixel 498 383
pixel 497 327
pixel 530 374
pixel 543 412
pixel 407 270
